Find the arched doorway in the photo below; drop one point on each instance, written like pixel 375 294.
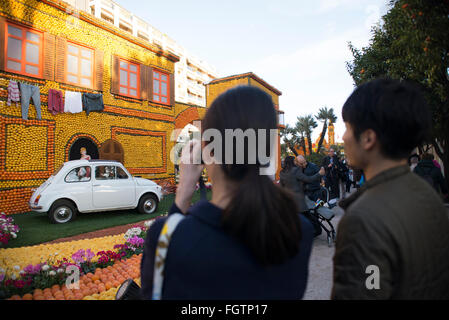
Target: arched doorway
pixel 186 134
pixel 112 150
pixel 91 148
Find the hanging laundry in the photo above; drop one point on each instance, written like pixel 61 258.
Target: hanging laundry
pixel 93 102
pixel 27 92
pixel 73 102
pixel 55 102
pixel 13 92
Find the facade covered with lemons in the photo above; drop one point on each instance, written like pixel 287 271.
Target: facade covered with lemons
pixel 48 47
pixel 62 60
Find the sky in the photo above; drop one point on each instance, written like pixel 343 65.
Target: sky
pixel 299 47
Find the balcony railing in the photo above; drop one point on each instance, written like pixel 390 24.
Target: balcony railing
pixel 111 12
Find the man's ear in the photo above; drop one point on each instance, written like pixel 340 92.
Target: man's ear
pixel 368 139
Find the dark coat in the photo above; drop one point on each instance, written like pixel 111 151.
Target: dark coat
pixel 310 170
pixel 204 262
pixel 333 173
pixel 426 167
pixel 398 223
pixel 294 180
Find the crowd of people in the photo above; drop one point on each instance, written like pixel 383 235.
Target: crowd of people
pixel 339 176
pixel 250 241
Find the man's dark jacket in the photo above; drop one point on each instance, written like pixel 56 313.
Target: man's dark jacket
pixel 397 223
pixel 310 170
pixel 333 172
pixel 426 167
pixel 294 180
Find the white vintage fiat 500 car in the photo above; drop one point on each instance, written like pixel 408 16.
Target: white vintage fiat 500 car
pixel 93 185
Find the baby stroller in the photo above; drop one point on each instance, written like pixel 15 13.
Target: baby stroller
pixel 321 211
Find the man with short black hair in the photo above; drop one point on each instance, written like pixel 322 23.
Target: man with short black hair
pixel 393 240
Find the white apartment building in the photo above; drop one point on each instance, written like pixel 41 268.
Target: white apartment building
pixel 191 73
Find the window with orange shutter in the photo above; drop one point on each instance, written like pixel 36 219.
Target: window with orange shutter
pixel 80 65
pixel 129 79
pixel 23 50
pixel 161 87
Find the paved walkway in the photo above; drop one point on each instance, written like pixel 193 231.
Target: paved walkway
pixel 319 285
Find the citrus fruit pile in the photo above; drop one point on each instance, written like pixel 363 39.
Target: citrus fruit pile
pixel 100 285
pixel 11 257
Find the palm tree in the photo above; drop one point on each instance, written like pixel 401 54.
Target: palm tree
pixel 291 142
pixel 298 137
pixel 306 124
pixel 324 115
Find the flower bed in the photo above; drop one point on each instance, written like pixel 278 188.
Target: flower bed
pixel 93 285
pixel 12 258
pixel 101 270
pixel 8 229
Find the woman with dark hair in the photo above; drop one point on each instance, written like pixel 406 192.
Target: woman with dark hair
pixel 248 242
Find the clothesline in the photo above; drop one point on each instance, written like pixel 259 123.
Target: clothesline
pixel 73 102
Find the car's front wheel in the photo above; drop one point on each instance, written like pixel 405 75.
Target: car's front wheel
pixel 148 204
pixel 62 211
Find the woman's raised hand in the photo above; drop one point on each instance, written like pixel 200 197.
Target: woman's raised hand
pixel 190 169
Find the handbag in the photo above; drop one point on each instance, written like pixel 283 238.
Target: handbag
pixel 161 252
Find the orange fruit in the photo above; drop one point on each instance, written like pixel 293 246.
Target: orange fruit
pixel 97 281
pixel 27 296
pixel 16 297
pixel 108 285
pixel 95 277
pixel 38 291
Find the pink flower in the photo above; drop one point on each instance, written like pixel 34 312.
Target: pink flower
pixel 136 241
pixel 82 256
pixel 30 269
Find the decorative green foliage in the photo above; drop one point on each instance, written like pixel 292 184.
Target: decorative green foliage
pixel 412 43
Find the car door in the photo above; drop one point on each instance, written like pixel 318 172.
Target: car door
pixel 109 191
pixel 78 184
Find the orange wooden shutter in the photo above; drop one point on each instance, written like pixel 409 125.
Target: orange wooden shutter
pixel 61 57
pixel 2 43
pixel 150 83
pixel 49 56
pixel 172 89
pixel 144 70
pixel 115 85
pixel 99 67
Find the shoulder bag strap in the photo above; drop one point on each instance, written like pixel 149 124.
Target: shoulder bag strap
pixel 161 252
